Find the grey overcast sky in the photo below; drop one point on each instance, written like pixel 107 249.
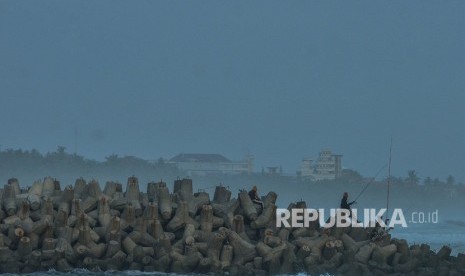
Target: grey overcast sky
pixel 278 79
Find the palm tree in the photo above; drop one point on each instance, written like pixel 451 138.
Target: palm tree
pixel 450 180
pixel 412 177
pixel 428 181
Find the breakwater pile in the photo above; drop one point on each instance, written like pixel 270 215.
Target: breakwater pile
pixel 46 227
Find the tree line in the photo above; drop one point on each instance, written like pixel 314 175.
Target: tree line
pixel 60 163
pixel 31 164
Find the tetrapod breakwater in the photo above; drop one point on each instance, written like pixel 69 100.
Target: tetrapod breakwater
pixel 82 226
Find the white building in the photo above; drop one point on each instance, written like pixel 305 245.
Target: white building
pixel 204 164
pixel 307 169
pixel 327 166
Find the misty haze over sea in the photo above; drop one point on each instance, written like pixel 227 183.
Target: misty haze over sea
pixel 278 80
pixel 106 90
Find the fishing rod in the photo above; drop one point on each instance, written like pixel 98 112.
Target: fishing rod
pixel 389 183
pixel 371 181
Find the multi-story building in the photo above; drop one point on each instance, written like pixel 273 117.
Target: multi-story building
pixel 204 164
pixel 307 169
pixel 327 166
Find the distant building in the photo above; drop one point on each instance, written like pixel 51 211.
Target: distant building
pixel 273 170
pixel 306 168
pixel 205 164
pixel 327 166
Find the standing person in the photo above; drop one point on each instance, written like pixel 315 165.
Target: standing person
pixel 345 204
pixel 254 196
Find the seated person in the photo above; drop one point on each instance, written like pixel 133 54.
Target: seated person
pixel 254 196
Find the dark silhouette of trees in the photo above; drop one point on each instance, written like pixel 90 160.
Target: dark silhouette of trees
pixel 61 150
pixel 412 178
pixel 437 182
pixel 450 180
pixel 351 176
pixel 111 158
pixel 60 164
pixel 428 181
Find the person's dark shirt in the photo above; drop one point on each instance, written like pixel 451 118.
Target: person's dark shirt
pixel 253 195
pixel 344 204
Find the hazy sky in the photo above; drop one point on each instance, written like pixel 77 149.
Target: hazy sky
pixel 279 79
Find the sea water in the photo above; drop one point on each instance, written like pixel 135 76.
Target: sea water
pixel 436 235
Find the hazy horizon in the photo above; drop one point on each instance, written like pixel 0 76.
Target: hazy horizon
pixel 279 80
